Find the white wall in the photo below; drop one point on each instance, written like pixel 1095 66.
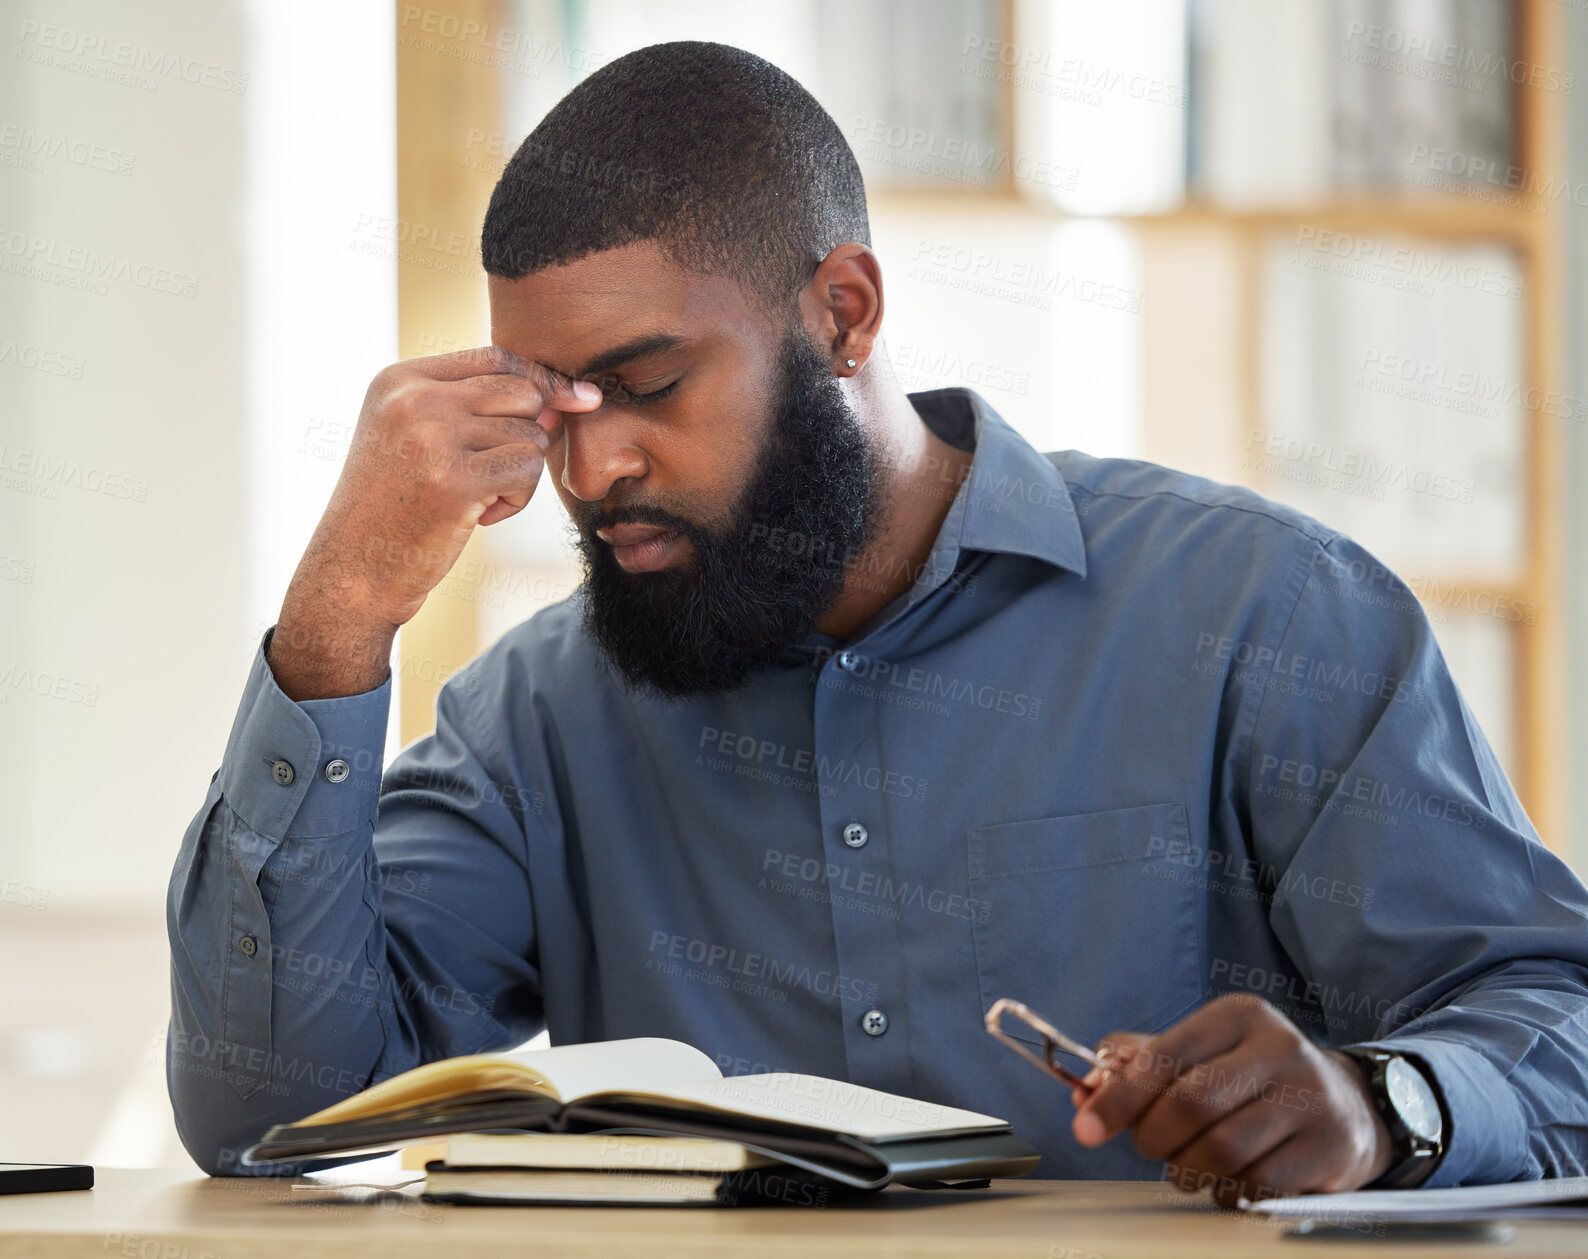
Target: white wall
pixel 192 441
pixel 253 144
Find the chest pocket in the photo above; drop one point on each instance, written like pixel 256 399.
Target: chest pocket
pixel 1094 920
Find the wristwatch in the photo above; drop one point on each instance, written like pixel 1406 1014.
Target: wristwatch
pixel 1409 1104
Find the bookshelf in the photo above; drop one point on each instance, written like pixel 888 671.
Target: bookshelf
pixel 1203 322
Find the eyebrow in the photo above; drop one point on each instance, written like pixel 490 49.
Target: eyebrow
pixel 638 347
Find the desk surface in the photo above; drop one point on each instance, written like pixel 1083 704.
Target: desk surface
pixel 183 1215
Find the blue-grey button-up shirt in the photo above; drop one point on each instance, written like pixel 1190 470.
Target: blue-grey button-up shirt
pixel 1131 740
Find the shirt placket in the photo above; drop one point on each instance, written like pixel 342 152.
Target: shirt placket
pixel 858 849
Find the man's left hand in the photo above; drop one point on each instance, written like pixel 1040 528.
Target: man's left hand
pixel 1235 1099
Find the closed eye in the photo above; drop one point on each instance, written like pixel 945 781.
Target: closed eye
pixel 618 392
pixel 640 399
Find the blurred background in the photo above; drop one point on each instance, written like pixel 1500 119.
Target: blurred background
pixel 1329 249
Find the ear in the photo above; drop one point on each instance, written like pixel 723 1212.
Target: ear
pixel 842 306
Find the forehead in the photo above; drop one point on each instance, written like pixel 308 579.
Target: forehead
pixel 566 316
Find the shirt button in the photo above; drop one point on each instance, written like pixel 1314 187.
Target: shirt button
pixel 874 1022
pixel 248 945
pixel 848 661
pixel 282 773
pixel 855 835
pixel 335 771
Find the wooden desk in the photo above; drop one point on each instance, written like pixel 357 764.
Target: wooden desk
pixel 182 1215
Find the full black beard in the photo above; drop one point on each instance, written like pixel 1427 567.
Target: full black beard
pixel 760 583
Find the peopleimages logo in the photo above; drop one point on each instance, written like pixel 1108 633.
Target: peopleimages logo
pixel 1409 51
pixel 120 60
pixel 79 266
pixel 669 946
pixel 1360 466
pixel 890 677
pixel 862 890
pixel 1286 778
pixel 1270 661
pixel 1276 985
pixel 814 769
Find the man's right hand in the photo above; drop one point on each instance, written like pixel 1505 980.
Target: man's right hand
pixel 442 444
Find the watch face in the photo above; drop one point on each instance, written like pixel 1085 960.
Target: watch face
pixel 1413 1099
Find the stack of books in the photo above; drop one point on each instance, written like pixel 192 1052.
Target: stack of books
pixel 651 1121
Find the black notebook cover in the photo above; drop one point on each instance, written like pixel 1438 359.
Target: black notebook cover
pixel 759 1186
pixel 847 1160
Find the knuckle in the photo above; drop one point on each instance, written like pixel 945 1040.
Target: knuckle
pixel 403 398
pixel 1187 1099
pixel 1159 1136
pixel 544 380
pixel 1109 1107
pixel 1248 1004
pixel 1151 1145
pixel 459 469
pixel 1221 1149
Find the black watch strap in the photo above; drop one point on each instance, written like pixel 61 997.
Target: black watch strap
pixel 1415 1156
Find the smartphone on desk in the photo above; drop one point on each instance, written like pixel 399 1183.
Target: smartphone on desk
pixel 44 1177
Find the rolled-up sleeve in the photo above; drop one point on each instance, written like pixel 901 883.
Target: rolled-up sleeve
pixel 329 927
pixel 1411 891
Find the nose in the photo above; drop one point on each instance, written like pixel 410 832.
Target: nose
pixel 597 452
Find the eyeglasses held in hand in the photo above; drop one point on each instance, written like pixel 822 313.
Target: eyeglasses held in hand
pixel 1053 1040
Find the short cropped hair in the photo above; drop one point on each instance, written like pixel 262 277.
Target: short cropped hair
pixel 719 157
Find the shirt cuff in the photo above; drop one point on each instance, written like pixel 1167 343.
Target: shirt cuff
pixel 274 774
pixel 1486 1137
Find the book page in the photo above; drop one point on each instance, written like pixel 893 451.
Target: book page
pixel 816 1102
pixel 562 1072
pixel 644 1062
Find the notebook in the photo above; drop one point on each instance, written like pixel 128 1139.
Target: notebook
pixel 652 1086
pixel 773 1184
pixel 603 1151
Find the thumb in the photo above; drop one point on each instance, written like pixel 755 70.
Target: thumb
pixel 1116 1049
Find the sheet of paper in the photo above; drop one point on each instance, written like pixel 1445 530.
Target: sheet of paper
pixel 1464 1200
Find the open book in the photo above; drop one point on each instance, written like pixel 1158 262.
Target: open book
pixel 859 1136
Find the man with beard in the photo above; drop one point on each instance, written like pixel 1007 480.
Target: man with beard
pixel 866 715
pixel 705 625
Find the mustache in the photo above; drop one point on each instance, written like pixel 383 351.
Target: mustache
pixel 639 514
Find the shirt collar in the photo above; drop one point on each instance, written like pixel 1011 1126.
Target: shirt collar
pixel 1012 498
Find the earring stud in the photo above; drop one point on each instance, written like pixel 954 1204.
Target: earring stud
pixel 849 362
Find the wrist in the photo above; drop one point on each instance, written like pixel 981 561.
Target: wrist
pixel 1384 1149
pixel 1407 1104
pixel 326 658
